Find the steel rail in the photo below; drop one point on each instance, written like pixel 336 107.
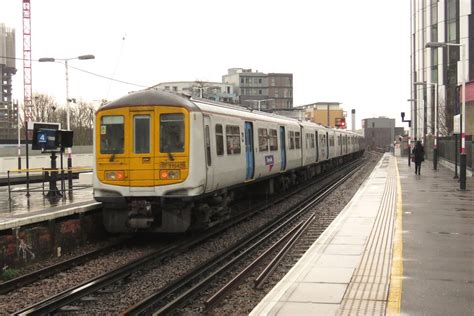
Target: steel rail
pixel 223 261
pixel 296 233
pixel 45 272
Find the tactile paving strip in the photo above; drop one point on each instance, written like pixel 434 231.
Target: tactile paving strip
pixel 367 293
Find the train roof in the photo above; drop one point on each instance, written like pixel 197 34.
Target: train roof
pixel 160 97
pixel 150 97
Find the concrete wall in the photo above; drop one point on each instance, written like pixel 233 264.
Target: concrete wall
pixel 81 157
pixel 27 244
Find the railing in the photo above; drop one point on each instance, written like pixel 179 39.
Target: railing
pixel 447 149
pixel 47 175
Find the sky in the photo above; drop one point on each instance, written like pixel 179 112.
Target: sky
pixel 353 52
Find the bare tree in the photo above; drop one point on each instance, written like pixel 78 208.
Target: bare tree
pixel 82 122
pixel 46 109
pixel 443 127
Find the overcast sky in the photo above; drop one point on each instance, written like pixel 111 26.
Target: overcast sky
pixel 353 52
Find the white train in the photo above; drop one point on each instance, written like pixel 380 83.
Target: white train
pixel 166 163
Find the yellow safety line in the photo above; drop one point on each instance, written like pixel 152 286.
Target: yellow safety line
pixel 395 292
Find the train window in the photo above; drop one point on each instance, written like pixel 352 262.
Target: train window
pixel 297 140
pixel 233 139
pixel 273 139
pixel 111 134
pixel 262 139
pixel 311 136
pixel 331 140
pixel 291 136
pixel 141 134
pixel 219 140
pixel 208 145
pixel 172 132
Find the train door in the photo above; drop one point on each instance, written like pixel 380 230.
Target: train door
pixel 283 148
pixel 249 153
pixel 317 146
pixel 208 151
pixel 142 153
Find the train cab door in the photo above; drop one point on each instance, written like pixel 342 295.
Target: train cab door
pixel 249 151
pixel 317 145
pixel 283 148
pixel 208 152
pixel 142 151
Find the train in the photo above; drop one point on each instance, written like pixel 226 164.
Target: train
pixel 168 163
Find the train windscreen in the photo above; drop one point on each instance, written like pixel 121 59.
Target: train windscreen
pixel 111 134
pixel 172 132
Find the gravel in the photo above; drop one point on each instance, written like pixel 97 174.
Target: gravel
pixel 118 298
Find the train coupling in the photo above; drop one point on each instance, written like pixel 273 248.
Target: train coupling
pixel 140 215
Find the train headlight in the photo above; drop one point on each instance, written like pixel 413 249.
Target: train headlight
pixel 114 175
pixel 169 174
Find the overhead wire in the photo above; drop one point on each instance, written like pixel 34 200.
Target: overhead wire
pixel 86 71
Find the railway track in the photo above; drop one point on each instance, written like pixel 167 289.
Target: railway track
pixel 74 294
pixel 188 286
pixel 48 271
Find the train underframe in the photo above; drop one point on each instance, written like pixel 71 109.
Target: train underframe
pixel 179 215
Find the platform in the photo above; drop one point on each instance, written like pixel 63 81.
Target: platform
pixel 404 244
pixel 20 210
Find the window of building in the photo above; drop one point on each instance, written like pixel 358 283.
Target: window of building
pixel 260 91
pixel 167 87
pixel 219 140
pixel 260 80
pixel 273 139
pixel 175 88
pixel 233 139
pixel 241 80
pixel 228 90
pixel 262 139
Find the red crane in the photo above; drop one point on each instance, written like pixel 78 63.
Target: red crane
pixel 27 77
pixel 27 80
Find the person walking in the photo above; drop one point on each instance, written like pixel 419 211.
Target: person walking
pixel 419 156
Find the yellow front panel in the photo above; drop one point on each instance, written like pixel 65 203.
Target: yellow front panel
pixel 109 160
pixel 142 153
pixel 141 164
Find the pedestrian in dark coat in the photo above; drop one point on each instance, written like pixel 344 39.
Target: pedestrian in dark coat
pixel 419 154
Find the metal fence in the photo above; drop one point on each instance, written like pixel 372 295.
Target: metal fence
pixel 448 148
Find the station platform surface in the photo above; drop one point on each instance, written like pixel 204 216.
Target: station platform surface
pixel 404 245
pixel 17 210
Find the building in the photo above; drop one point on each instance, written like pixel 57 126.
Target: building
pixel 256 89
pixel 438 72
pixel 216 91
pixel 324 113
pixel 380 132
pixel 8 110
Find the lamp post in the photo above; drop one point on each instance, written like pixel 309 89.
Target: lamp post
pixel 68 120
pixel 462 161
pixel 435 145
pixel 409 134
